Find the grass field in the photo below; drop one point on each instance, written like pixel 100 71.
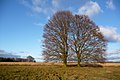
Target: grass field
pixel 56 72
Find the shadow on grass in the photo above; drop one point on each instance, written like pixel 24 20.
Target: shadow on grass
pixel 72 65
pixel 91 65
pixel 85 65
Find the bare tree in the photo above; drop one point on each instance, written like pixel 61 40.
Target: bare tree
pixel 66 33
pixel 86 40
pixel 56 36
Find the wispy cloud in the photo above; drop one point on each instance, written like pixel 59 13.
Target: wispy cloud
pixel 110 33
pixel 55 3
pixel 26 3
pixel 39 6
pixel 90 8
pixel 39 24
pixel 42 6
pixel 37 2
pixel 109 4
pixel 37 9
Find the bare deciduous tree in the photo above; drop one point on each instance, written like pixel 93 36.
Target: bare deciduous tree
pixel 56 36
pixel 86 40
pixel 66 33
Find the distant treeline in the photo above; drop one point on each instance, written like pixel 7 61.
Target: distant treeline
pixel 2 59
pixel 7 59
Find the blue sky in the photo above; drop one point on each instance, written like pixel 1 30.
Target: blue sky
pixel 22 22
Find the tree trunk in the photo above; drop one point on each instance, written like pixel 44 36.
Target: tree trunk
pixel 65 59
pixel 79 59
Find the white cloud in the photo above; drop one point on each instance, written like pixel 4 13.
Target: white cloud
pixel 55 3
pixel 39 6
pixel 90 8
pixel 25 3
pixel 42 6
pixel 110 4
pixel 110 33
pixel 36 2
pixel 37 9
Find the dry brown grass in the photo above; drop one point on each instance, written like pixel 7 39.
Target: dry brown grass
pixel 29 63
pixel 110 64
pixel 53 72
pixel 52 63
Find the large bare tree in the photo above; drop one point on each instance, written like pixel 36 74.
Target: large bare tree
pixel 56 36
pixel 66 33
pixel 86 40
